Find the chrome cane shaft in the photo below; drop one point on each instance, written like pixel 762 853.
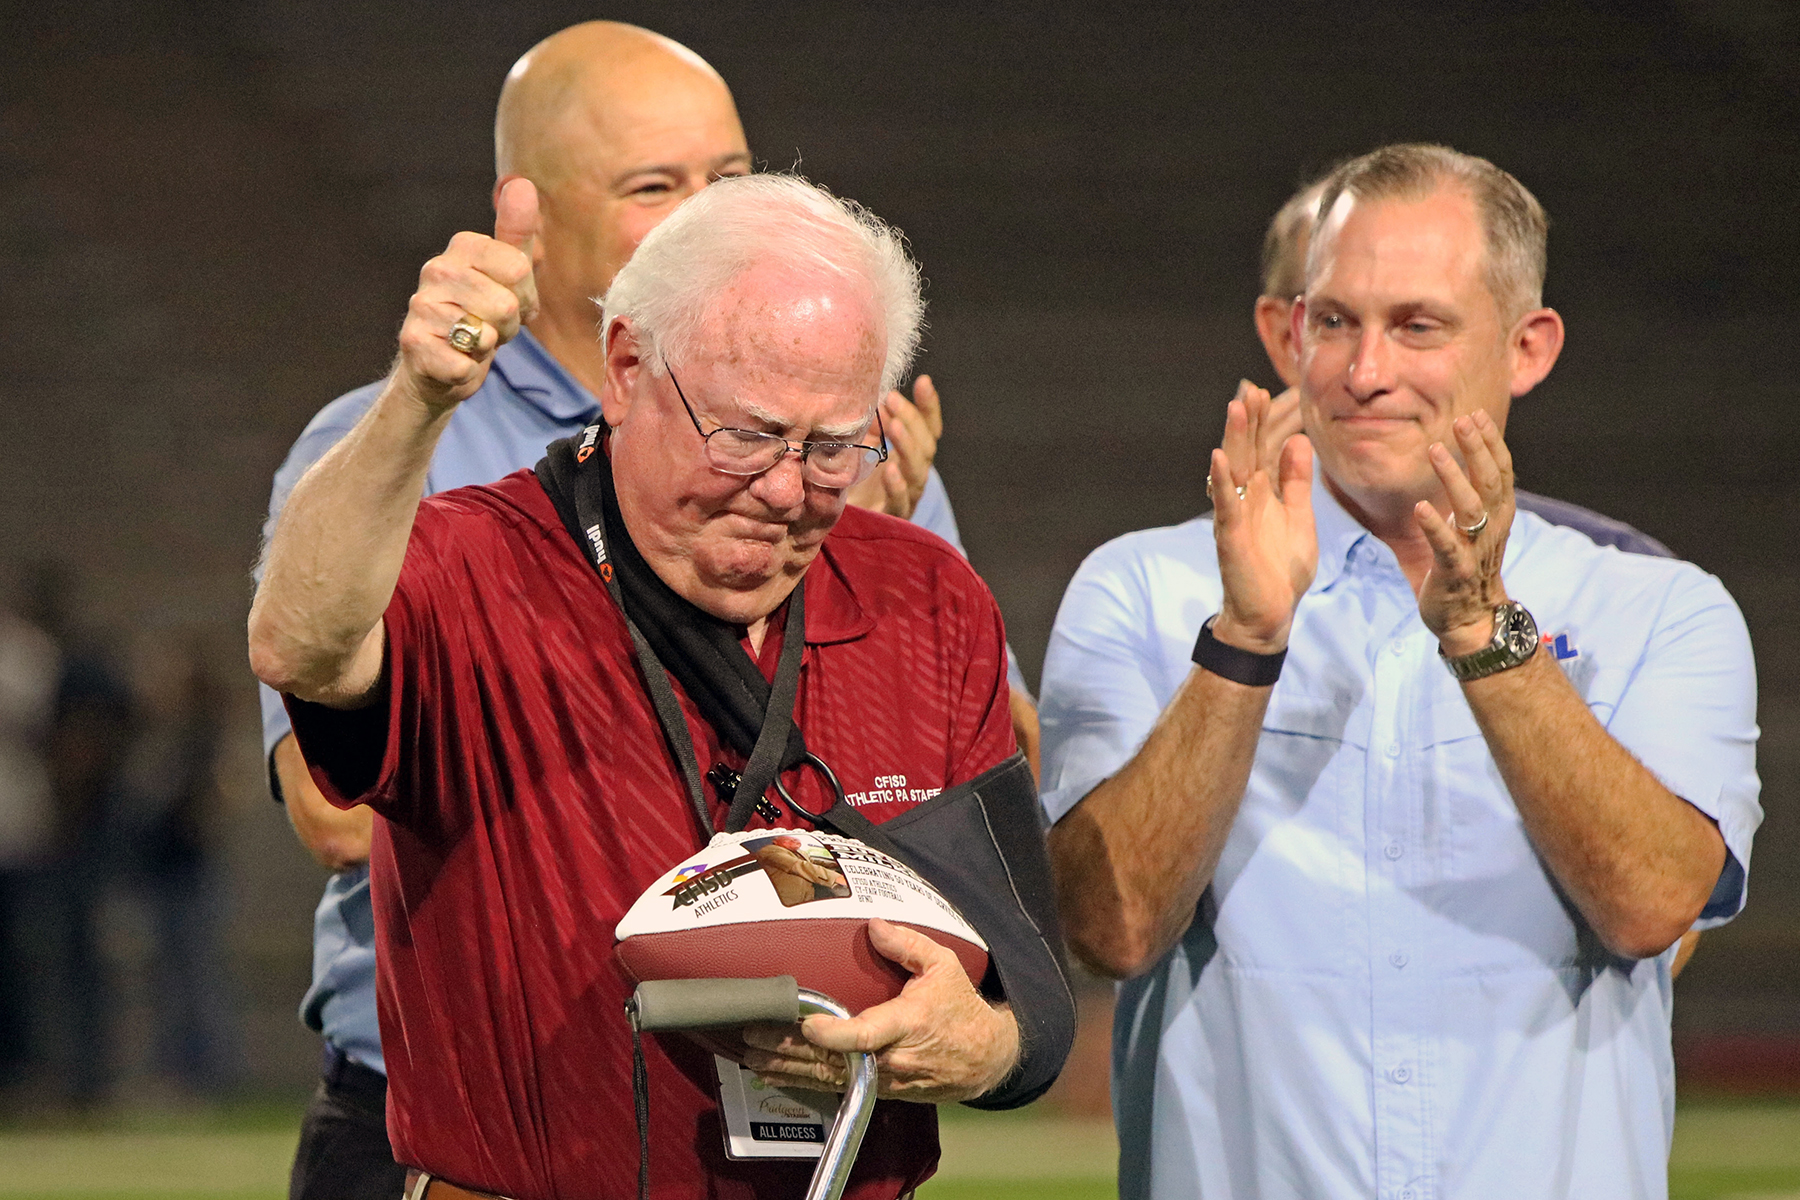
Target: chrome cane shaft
pixel 714 1003
pixel 846 1133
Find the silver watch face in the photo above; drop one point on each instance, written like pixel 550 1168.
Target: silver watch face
pixel 1519 634
pixel 1515 641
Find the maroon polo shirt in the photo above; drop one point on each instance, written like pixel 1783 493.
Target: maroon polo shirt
pixel 530 797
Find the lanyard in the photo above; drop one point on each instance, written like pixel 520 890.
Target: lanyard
pixel 763 767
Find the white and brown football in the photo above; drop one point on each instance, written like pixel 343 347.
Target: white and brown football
pixel 789 902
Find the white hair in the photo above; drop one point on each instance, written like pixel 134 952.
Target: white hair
pixel 679 269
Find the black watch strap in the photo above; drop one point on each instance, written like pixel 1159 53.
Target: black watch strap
pixel 1240 666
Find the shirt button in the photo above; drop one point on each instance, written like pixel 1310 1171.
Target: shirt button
pixel 1398 959
pixel 1408 1194
pixel 1393 849
pixel 1393 750
pixel 1397 646
pixel 1399 1074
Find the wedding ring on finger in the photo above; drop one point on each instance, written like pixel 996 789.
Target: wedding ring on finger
pixel 465 335
pixel 1209 495
pixel 1473 531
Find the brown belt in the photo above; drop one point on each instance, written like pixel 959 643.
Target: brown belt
pixel 423 1184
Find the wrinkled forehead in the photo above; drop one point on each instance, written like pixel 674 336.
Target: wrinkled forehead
pixel 775 321
pixel 1400 245
pixel 640 116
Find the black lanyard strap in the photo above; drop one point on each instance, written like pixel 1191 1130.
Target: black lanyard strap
pixel 670 717
pixel 980 843
pixel 765 761
pixel 747 712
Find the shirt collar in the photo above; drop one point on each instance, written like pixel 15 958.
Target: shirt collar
pixel 532 372
pixel 1339 533
pixel 833 613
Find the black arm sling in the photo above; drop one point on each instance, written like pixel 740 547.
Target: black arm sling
pixel 980 843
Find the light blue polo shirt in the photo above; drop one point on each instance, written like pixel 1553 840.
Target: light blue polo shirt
pixel 1383 994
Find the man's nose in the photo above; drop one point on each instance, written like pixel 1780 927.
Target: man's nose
pixel 1371 370
pixel 781 486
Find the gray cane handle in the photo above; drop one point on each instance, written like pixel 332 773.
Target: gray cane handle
pixel 703 1003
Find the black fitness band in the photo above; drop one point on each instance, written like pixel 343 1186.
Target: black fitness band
pixel 1240 666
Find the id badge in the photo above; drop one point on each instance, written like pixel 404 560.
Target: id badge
pixel 764 1121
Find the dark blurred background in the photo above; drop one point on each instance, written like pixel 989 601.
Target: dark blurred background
pixel 211 215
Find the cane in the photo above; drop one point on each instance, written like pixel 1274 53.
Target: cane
pixel 674 1004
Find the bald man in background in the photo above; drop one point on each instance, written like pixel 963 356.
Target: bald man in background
pixel 616 126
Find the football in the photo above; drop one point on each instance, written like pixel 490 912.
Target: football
pixel 789 902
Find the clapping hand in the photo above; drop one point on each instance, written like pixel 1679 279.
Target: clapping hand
pixel 1462 588
pixel 472 299
pixel 1263 522
pixel 913 429
pixel 1280 423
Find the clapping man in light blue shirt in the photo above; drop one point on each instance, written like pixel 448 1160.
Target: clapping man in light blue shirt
pixel 1388 799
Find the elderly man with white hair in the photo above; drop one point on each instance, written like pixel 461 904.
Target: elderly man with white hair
pixel 483 669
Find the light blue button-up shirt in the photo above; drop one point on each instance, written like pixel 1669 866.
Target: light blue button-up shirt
pixel 1383 993
pixel 528 401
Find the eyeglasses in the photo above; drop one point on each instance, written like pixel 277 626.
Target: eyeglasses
pixel 750 452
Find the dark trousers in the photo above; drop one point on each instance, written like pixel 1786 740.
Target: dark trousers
pixel 82 1009
pixel 15 998
pixel 344 1152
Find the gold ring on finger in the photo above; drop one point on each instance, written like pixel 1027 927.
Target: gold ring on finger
pixel 465 335
pixel 1473 531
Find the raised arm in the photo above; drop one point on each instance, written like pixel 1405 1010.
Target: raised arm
pixel 331 566
pixel 1637 860
pixel 1132 857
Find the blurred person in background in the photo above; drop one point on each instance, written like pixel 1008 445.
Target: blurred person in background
pixel 91 726
pixel 29 664
pixel 169 814
pixel 616 126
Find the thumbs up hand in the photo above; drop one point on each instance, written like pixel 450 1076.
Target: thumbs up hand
pixel 471 300
pixel 516 224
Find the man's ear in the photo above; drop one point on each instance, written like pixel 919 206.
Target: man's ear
pixel 623 366
pixel 537 245
pixel 1296 335
pixel 1276 330
pixel 1536 341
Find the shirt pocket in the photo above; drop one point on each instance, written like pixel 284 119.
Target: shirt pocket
pixel 1462 787
pixel 1304 730
pixel 1287 883
pixel 1493 887
pixel 1602 685
pixel 1316 709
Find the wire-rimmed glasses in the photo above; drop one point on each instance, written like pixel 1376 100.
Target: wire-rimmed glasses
pixel 751 452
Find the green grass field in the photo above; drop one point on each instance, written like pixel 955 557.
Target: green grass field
pixel 1723 1151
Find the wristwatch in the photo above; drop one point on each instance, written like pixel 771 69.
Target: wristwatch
pixel 1515 641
